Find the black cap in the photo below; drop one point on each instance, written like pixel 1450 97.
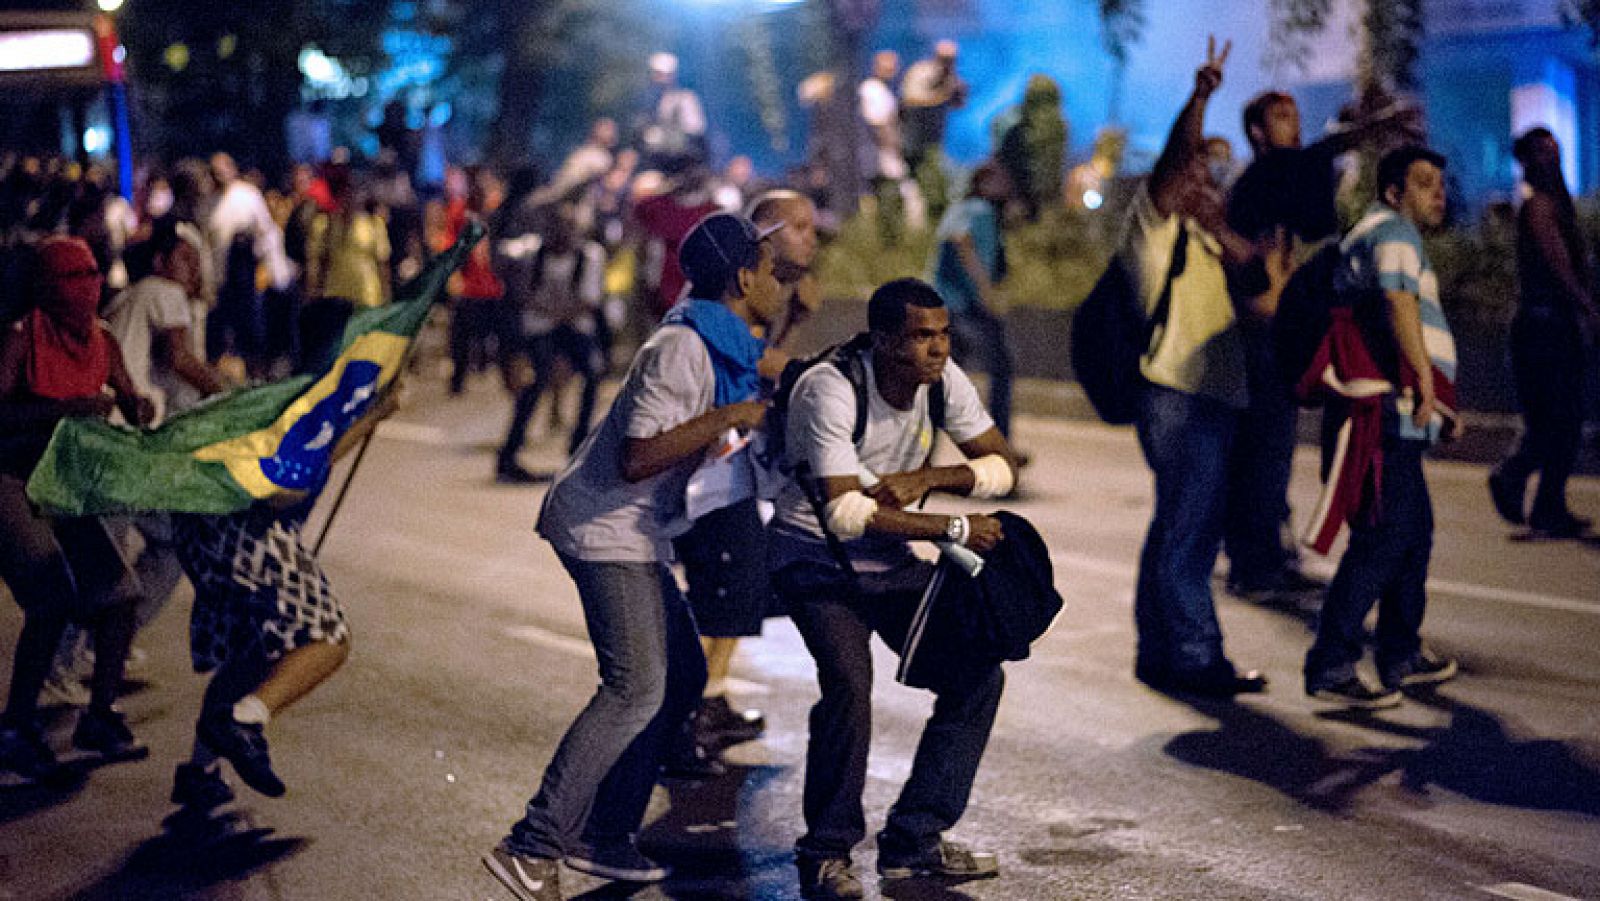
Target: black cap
pixel 718 246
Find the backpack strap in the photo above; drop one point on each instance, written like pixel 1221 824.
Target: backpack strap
pixel 1180 260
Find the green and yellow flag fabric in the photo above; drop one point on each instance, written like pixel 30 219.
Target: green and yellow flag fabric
pixel 255 444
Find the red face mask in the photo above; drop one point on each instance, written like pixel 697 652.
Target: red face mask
pixel 69 356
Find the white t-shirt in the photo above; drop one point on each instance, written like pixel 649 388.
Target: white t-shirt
pixel 153 305
pixel 821 418
pixel 592 512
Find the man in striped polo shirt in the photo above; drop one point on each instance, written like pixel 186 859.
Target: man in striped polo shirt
pixel 1386 269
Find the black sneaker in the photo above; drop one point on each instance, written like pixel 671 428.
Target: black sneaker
pixel 529 878
pixel 1219 682
pixel 687 758
pixel 621 862
pixel 1559 527
pixel 717 724
pixel 829 879
pixel 1356 695
pixel 1508 495
pixel 197 788
pixel 514 474
pixel 1424 668
pixel 245 746
pixel 26 760
pixel 106 733
pixel 947 860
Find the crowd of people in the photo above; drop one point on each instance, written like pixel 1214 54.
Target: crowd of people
pixel 778 482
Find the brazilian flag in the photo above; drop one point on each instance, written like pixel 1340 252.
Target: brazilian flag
pixel 271 442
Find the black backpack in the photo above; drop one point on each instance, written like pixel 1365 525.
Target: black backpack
pixel 1303 315
pixel 1111 335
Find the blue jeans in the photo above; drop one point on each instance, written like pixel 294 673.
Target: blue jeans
pixel 652 672
pixel 1259 468
pixel 1386 564
pixel 978 341
pixel 1186 439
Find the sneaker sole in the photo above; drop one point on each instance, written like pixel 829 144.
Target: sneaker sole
pixel 508 879
pixel 1434 678
pixel 894 873
pixel 617 874
pixel 1382 702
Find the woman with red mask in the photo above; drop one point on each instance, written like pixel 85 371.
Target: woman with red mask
pixel 59 361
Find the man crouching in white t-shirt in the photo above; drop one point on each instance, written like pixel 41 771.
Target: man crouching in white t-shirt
pixel 837 613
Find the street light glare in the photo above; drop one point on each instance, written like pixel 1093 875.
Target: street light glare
pixel 109 6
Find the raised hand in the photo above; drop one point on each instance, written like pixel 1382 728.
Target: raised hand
pixel 1209 77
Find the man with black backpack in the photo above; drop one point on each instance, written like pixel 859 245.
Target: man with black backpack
pixel 1178 253
pixel 859 429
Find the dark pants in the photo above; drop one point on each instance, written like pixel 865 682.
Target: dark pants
pixel 580 351
pixel 837 624
pixel 1386 564
pixel 1547 358
pixel 1259 467
pixel 978 341
pixel 239 322
pixel 1186 439
pixel 474 320
pixel 61 571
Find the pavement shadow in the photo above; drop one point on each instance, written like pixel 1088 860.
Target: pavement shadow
pixel 195 852
pixel 1473 756
pixel 711 856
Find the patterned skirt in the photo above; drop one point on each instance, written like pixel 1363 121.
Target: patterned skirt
pixel 258 590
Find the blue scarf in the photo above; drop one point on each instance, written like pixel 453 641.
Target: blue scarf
pixel 734 351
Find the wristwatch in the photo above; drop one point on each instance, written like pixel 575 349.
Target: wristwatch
pixel 956 530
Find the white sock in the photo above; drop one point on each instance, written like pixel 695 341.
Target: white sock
pixel 252 709
pixel 715 688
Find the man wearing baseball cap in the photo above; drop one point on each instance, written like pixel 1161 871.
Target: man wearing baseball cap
pixel 611 516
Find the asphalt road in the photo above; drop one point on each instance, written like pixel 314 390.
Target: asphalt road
pixel 470 659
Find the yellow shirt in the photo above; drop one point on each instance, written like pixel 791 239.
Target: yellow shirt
pixel 345 255
pixel 1200 349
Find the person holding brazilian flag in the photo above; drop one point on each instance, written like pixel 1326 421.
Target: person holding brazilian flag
pixel 240 475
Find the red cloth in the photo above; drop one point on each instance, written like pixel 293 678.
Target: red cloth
pixel 669 221
pixel 69 356
pixel 1345 368
pixel 478 281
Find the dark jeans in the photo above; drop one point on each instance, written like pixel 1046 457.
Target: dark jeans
pixel 1186 440
pixel 978 341
pixel 1259 468
pixel 1386 564
pixel 60 571
pixel 579 351
pixel 652 673
pixel 1547 358
pixel 239 322
pixel 473 320
pixel 837 624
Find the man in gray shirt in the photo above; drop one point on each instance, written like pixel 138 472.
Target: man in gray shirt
pixel 611 516
pixel 863 491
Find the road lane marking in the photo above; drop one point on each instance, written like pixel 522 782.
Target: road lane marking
pixel 579 647
pixel 415 433
pixel 1517 891
pixel 1129 573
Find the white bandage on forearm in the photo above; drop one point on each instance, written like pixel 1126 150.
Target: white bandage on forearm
pixel 849 513
pixel 991 477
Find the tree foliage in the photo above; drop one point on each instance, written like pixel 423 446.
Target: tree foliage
pixel 1121 25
